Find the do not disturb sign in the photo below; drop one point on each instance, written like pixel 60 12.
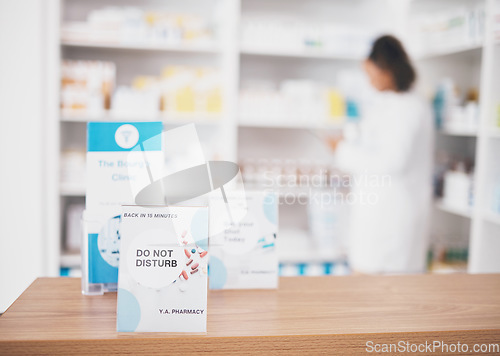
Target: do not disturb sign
pixel 162 282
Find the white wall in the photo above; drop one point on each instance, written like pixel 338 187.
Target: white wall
pixel 23 118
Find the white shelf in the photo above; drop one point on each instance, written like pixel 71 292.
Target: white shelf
pixel 452 50
pixel 492 217
pixel 72 190
pixel 459 132
pixel 298 53
pixel 282 124
pixel 460 211
pixel 494 132
pixel 167 119
pixel 69 260
pixel 195 48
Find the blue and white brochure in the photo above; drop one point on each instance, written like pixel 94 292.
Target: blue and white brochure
pixel 162 282
pixel 111 151
pixel 243 254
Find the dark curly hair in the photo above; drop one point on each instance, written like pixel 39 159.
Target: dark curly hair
pixel 389 54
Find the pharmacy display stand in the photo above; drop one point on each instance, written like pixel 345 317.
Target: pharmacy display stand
pixel 146 227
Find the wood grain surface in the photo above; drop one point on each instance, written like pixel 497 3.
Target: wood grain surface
pixel 333 315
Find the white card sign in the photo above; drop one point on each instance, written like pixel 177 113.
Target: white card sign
pixel 243 254
pixel 162 281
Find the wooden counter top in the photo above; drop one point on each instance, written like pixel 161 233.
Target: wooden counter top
pixel 337 315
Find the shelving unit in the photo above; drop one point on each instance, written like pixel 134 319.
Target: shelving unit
pixel 242 135
pixel 485 230
pixel 469 65
pixel 135 58
pixel 226 53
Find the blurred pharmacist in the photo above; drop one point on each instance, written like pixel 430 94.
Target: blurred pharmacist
pixel 390 162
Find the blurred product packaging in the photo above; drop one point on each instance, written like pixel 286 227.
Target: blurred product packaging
pixel 87 86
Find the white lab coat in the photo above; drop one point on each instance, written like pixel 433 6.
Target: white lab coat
pixel 391 167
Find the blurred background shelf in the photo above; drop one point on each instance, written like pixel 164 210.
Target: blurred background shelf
pixel 325 65
pixel 494 132
pixel 303 53
pixel 460 211
pixel 166 118
pixel 72 190
pixel 195 48
pixel 459 132
pixel 492 217
pixel 450 50
pixel 272 122
pixel 295 68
